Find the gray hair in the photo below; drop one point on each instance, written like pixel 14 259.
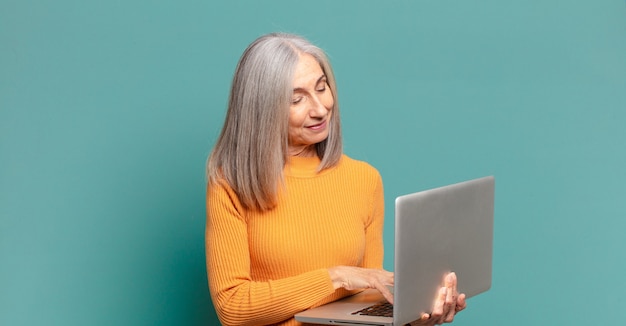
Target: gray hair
pixel 252 148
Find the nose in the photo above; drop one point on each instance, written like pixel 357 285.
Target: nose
pixel 317 108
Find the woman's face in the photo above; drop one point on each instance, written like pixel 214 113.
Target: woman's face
pixel 311 107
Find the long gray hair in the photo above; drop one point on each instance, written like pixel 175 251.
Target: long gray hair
pixel 251 151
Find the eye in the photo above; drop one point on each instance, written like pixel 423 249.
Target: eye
pixel 296 100
pixel 322 85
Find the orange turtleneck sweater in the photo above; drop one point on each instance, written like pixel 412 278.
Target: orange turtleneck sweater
pixel 264 267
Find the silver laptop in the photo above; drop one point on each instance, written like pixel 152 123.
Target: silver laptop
pixel 436 231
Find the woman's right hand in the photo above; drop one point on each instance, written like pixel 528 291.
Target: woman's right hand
pixel 355 278
pixel 447 304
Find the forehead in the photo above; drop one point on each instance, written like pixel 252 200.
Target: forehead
pixel 308 70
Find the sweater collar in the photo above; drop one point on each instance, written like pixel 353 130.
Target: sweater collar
pixel 302 166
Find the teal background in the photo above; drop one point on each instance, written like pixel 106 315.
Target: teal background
pixel 108 110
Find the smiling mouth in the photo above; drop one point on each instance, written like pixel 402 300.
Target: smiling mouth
pixel 318 126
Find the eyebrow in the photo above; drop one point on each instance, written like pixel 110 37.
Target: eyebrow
pixel 322 77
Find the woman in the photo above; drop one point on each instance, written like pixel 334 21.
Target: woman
pixel 292 222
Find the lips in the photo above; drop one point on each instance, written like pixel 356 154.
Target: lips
pixel 319 126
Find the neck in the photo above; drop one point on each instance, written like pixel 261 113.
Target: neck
pixel 306 151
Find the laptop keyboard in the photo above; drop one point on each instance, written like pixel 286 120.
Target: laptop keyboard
pixel 382 309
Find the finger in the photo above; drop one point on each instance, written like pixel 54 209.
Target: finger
pixel 460 302
pixel 451 298
pixel 424 320
pixel 428 320
pixel 439 304
pixel 451 280
pixel 380 280
pixel 385 292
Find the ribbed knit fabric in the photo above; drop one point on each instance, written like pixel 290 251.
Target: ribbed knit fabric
pixel 265 267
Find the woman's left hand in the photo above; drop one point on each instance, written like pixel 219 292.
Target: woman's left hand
pixel 447 304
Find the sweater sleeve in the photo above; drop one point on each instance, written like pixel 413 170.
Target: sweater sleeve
pixel 374 249
pixel 238 299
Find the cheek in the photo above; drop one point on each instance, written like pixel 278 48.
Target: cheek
pixel 296 117
pixel 328 101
